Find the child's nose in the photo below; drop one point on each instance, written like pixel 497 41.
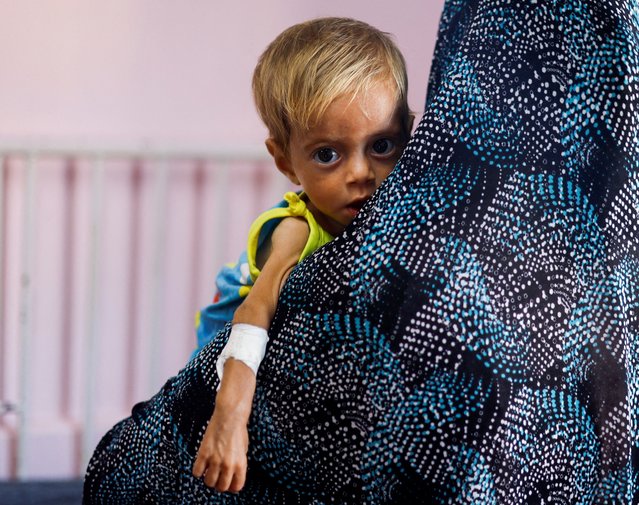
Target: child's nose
pixel 361 170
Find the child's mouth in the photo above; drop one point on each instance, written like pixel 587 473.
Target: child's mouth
pixel 356 206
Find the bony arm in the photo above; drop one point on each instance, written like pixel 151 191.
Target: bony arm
pixel 248 338
pixel 221 458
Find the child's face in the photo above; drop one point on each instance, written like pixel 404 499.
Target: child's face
pixel 342 160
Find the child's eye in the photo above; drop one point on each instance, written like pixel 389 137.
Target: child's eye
pixel 326 155
pixel 383 146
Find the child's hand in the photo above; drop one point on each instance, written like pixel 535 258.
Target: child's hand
pixel 221 458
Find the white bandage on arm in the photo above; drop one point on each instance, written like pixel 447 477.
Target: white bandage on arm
pixel 246 343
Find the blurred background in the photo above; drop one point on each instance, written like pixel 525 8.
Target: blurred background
pixel 131 165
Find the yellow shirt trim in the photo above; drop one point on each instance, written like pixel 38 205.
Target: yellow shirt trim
pixel 296 208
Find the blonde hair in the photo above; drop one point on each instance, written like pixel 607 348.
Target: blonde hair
pixel 311 64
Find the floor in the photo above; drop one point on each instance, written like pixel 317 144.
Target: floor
pixel 41 493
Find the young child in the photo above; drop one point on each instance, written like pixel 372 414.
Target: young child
pixel 332 93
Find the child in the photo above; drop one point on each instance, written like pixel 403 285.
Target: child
pixel 332 93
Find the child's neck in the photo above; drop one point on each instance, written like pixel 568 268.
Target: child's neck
pixel 328 224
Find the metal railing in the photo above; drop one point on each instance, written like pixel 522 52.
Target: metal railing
pixel 105 255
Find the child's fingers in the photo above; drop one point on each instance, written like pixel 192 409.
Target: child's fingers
pixel 239 479
pixel 199 466
pixel 212 475
pixel 224 479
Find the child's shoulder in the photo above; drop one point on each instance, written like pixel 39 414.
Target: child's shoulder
pixel 287 241
pixel 291 233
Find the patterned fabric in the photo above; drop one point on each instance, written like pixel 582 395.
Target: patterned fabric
pixel 474 336
pixel 234 281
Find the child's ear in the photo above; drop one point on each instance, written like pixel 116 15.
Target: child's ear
pixel 282 160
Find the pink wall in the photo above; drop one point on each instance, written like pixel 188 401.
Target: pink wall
pixel 158 72
pixel 147 75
